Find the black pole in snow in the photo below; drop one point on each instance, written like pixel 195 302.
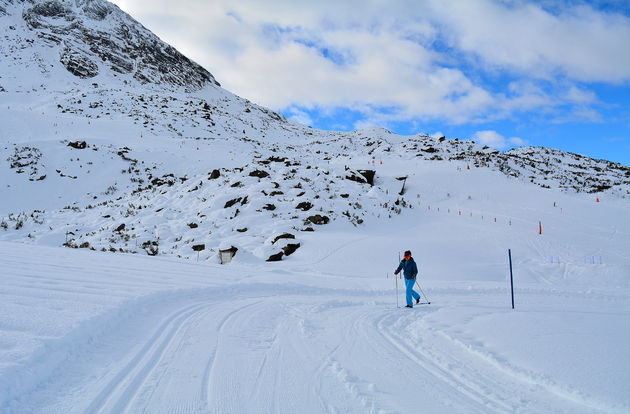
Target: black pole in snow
pixel 511 278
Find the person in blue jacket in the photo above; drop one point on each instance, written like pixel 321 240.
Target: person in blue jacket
pixel 410 270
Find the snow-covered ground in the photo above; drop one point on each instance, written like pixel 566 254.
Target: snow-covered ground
pixel 85 331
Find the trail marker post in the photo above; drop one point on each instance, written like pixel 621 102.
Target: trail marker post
pixel 511 278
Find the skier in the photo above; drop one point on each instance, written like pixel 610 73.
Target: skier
pixel 410 270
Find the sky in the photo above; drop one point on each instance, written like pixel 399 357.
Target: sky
pixel 553 73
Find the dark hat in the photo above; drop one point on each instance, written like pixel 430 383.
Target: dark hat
pixel 408 253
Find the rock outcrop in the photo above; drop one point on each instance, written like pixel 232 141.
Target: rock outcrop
pixel 94 34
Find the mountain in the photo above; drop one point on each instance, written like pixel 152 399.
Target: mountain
pixel 89 58
pixel 95 36
pixel 115 141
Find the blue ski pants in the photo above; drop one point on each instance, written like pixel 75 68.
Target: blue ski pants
pixel 410 292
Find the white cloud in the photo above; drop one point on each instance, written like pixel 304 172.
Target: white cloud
pixel 490 138
pixel 365 55
pixel 300 116
pixel 580 96
pixel 582 43
pixel 517 142
pixel 496 140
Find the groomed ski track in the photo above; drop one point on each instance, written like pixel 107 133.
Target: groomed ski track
pixel 266 347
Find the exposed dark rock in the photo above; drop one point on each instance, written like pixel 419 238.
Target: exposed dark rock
pixel 259 174
pixel 78 144
pixel 120 228
pixel 151 247
pixel 165 179
pixel 283 236
pixel 269 207
pixel 193 225
pixel 126 47
pixel 308 229
pixel 290 248
pixel 50 9
pixel 78 63
pixel 369 175
pixel 318 219
pixel 276 159
pixel 232 202
pixel 243 230
pixel 304 206
pixel 214 174
pixel 356 178
pixel 275 257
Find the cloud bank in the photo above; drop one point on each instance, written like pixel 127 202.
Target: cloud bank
pixel 496 140
pixel 455 62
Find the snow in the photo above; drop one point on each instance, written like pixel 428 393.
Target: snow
pixel 104 327
pixel 86 331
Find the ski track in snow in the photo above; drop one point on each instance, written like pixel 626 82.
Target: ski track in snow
pixel 140 334
pixel 212 353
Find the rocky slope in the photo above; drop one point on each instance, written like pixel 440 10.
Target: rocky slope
pixel 113 140
pixel 90 36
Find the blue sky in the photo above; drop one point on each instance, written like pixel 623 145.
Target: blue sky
pixel 505 73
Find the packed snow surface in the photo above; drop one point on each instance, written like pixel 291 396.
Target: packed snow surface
pixel 85 331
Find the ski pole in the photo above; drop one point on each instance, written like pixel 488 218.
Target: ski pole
pixel 396 278
pixel 425 296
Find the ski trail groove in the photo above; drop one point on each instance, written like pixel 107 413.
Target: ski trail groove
pixel 464 387
pixel 119 392
pixel 531 379
pixel 209 379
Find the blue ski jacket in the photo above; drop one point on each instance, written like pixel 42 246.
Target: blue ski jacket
pixel 410 270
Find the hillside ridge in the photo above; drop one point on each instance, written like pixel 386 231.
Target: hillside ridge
pixel 115 141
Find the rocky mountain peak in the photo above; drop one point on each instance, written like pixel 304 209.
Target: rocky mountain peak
pixel 93 36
